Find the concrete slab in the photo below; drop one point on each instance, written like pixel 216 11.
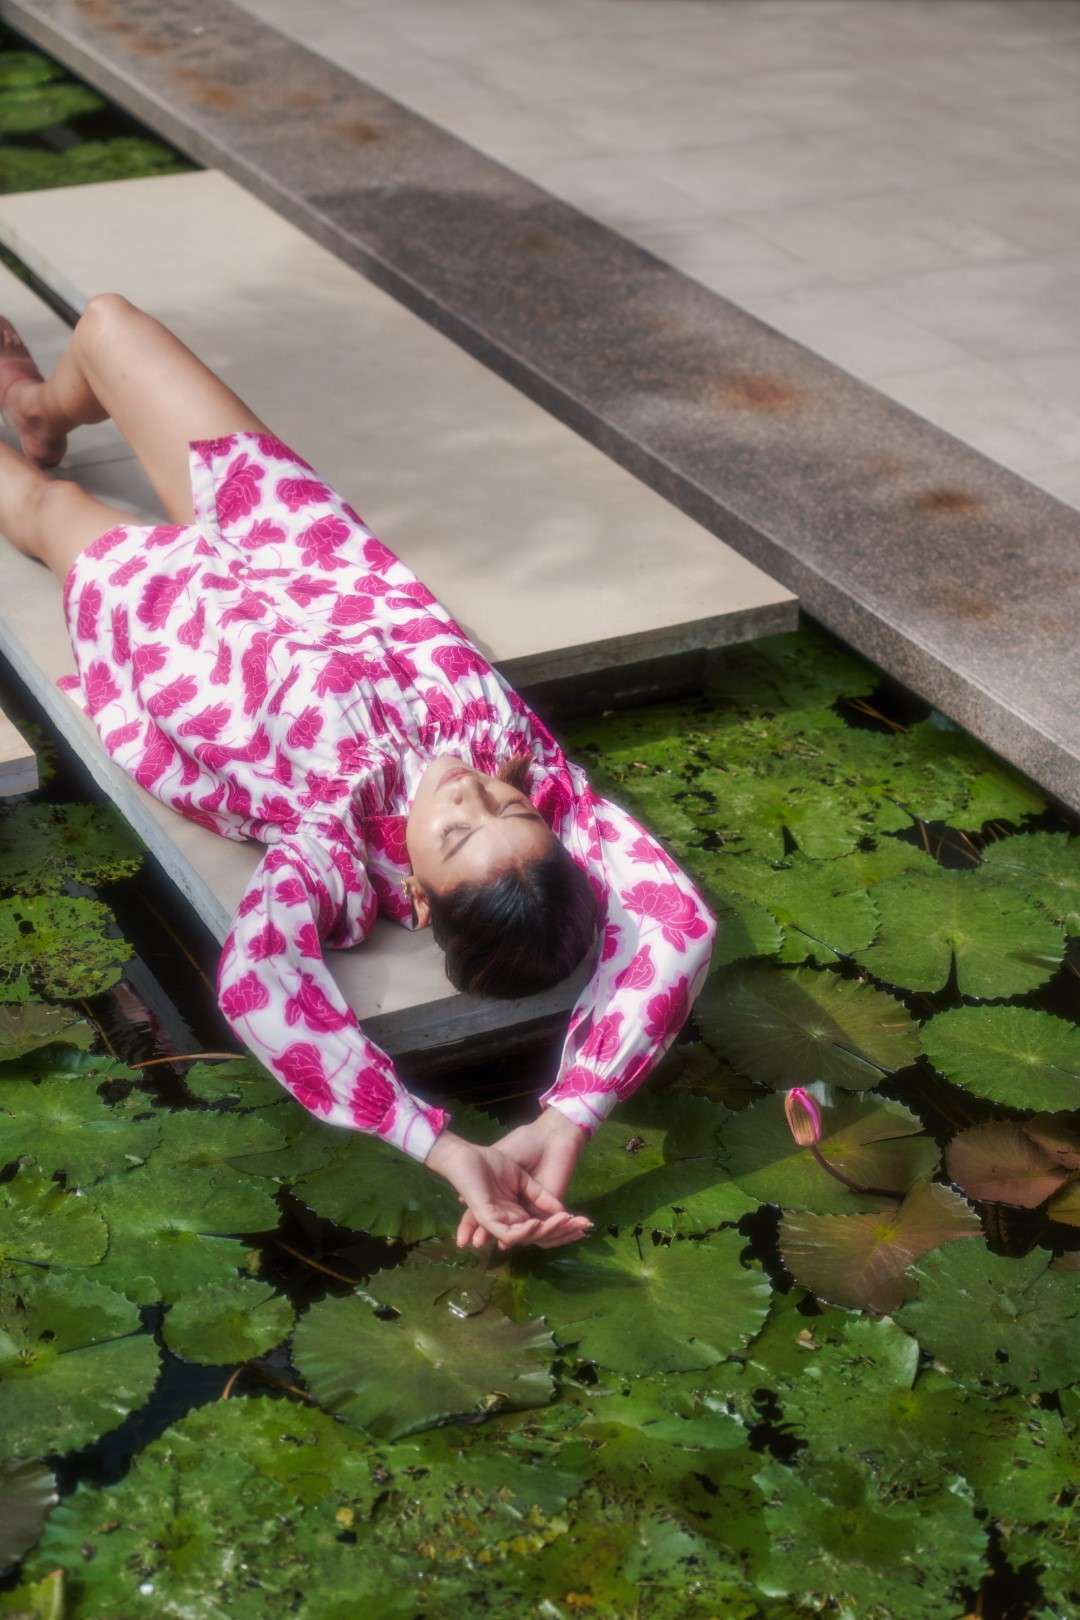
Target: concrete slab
pixel 18 762
pixel 558 561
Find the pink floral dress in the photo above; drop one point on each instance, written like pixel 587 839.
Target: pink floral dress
pixel 273 671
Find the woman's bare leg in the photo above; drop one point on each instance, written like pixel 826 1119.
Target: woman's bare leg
pixel 51 519
pixel 124 364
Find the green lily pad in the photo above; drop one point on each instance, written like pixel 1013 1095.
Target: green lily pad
pixel 61 947
pixel 36 1600
pixel 123 157
pixel 36 1024
pixel 241 1081
pixel 999 1162
pixel 43 1224
pixel 20 69
pixel 822 915
pixel 744 929
pixel 1001 946
pixel 166 1228
pixel 27 1492
pixel 789 1029
pixel 209 1139
pixel 655 1163
pixel 859 1261
pixel 873 1141
pixel 638 1307
pixel 308 1143
pixel 73 1363
pixel 40 107
pixel 448 1353
pixel 1044 865
pixel 836 1537
pixel 995 1320
pixel 1012 1055
pixel 802 668
pixel 888 858
pixel 45 846
pixel 65 1124
pixel 236 1319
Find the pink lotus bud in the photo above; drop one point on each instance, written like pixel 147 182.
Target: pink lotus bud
pixel 803 1116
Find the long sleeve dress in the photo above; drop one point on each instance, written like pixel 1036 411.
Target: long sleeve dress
pixel 272 671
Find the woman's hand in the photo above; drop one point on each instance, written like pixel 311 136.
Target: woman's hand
pixel 503 1198
pixel 547 1150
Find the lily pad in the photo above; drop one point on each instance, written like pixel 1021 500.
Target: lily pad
pixel 24 111
pixel 1044 865
pixel 638 1307
pixel 65 1124
pixel 240 1080
pixel 835 1537
pixel 45 846
pixel 789 1029
pixel 27 1492
pixel 236 1319
pixel 166 1228
pixel 447 1353
pixel 996 1320
pixel 36 1024
pixel 20 69
pixel 73 1363
pixel 823 915
pixel 35 1600
pixel 308 1143
pixel 65 947
pixel 743 929
pixel 1000 945
pixel 871 1140
pixel 206 1140
pixel 43 1224
pixel 802 668
pixel 1012 1055
pixel 859 1261
pixel 999 1162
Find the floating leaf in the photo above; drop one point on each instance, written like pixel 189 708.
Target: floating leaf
pixel 637 1307
pixel 1000 945
pixel 65 1124
pixel 789 1029
pixel 166 1226
pixel 888 858
pixel 803 668
pixel 20 69
pixel 871 1140
pixel 835 1537
pixel 36 1024
pixel 744 929
pixel 1012 1055
pixel 823 916
pixel 45 846
pixel 999 1161
pixel 27 1492
pixel 24 111
pixel 236 1319
pixel 205 1140
pixel 36 1600
pixel 42 1224
pixel 1002 1321
pixel 430 1363
pixel 241 1080
pixel 64 947
pixel 309 1143
pixel 25 168
pixel 859 1261
pixel 73 1363
pixel 1044 865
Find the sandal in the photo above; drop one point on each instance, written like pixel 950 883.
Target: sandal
pixel 17 365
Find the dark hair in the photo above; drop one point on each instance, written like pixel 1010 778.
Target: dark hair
pixel 523 931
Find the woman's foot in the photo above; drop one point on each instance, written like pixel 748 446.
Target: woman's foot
pixel 20 383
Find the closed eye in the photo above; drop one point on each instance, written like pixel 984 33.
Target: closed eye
pixel 511 813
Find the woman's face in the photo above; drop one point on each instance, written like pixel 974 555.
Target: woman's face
pixel 467 827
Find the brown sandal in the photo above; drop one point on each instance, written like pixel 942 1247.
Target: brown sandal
pixel 17 365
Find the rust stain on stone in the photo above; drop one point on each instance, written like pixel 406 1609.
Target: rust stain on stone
pixel 304 100
pixel 205 92
pixel 754 391
pixel 948 502
pixel 535 241
pixel 359 130
pixel 961 603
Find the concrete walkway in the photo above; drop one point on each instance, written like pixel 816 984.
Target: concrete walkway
pixel 894 183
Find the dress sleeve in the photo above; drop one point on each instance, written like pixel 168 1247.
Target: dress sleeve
pixel 279 997
pixel 657 940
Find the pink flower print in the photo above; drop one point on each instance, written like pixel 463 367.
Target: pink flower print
pixel 105 542
pixel 190 632
pixel 372 585
pixel 387 833
pixel 158 754
pixel 677 914
pixel 313 1006
pixel 127 571
pixel 245 995
pixel 304 729
pixel 203 548
pixel 297 492
pixel 608 831
pixel 250 606
pixel 163 534
pixel 352 514
pixel 632 1075
pixel 281 691
pixel 305 589
pixel 270 445
pixel 667 1012
pixel 89 607
pixel 554 798
pixel 253 671
pixel 238 493
pixel 291 892
pixel 171 696
pixel 189 768
pixel 401 665
pixel 320 540
pixel 346 866
pixel 308 942
pixel 352 610
pixel 121 645
pixel 341 672
pixel 183 803
pixel 211 801
pixel 302 1067
pixel 638 973
pixel 269 941
pixel 439 706
pixel 283 771
pixel 237 798
pixel 422 628
pixel 602 1042
pixel 209 449
pixel 99 686
pixel 411 595
pixel 647 850
pixel 378 556
pixel 323 789
pixel 159 594
pixel 371 1096
pixel 206 723
pixel 457 661
pixel 148 659
pixel 579 1081
pixel 219 675
pixel 276 808
pixel 121 735
pixel 249 903
pixel 612 936
pixel 477 712
pixel 263 532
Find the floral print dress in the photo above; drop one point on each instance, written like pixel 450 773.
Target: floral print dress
pixel 272 671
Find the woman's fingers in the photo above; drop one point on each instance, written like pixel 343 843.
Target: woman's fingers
pixel 500 1226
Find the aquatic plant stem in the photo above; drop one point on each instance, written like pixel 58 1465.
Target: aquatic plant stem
pixel 317 1264
pixel 186 1057
pixel 875 1192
